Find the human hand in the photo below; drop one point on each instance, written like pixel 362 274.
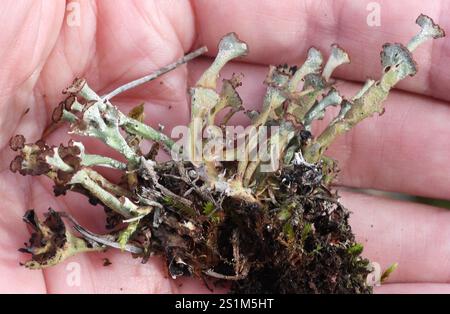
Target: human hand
pixel 406 150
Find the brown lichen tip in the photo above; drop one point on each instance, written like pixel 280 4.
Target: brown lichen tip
pixel 39 158
pixel 50 242
pixel 47 239
pixel 17 142
pixel 76 86
pixel 31 158
pixel 58 112
pixel 16 164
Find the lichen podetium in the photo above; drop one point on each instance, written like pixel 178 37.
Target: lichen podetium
pixel 279 231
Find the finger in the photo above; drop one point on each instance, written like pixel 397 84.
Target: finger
pixel 405 150
pixel 413 288
pixel 281 33
pixel 28 35
pixel 415 236
pixel 86 273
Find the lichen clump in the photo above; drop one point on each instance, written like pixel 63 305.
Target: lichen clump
pixel 214 211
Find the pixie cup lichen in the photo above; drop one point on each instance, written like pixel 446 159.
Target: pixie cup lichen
pixel 268 222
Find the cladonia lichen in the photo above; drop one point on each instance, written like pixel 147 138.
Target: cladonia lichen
pixel 256 208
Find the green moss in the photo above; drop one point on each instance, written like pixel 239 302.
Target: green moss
pixel 356 249
pixel 210 210
pixel 125 235
pixel 307 230
pixel 167 200
pixel 388 272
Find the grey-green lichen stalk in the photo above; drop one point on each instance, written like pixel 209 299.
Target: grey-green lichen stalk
pixel 397 63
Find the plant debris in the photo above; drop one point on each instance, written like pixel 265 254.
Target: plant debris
pixel 214 210
pixel 106 262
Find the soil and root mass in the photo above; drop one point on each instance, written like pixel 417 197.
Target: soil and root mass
pixel 267 223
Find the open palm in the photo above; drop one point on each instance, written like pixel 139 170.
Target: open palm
pixel 406 150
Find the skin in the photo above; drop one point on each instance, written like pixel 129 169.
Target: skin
pixel 406 150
